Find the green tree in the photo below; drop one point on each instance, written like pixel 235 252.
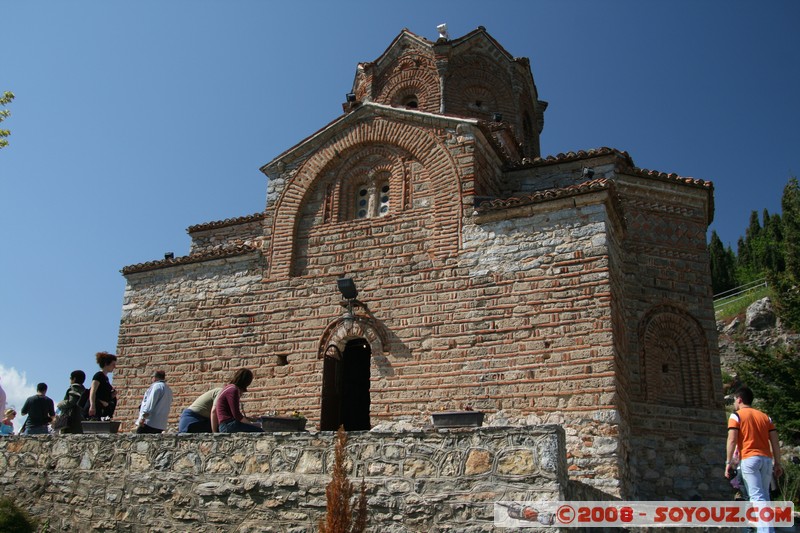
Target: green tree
pixel 744 261
pixel 4 113
pixel 790 204
pixel 773 232
pixel 786 284
pixel 787 300
pixel 723 265
pixel 774 375
pixel 761 250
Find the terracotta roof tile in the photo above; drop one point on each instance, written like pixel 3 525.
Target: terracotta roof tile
pixel 669 177
pixel 545 195
pixel 627 165
pixel 220 253
pixel 227 222
pixel 574 156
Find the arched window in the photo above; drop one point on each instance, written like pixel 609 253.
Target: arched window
pixel 372 198
pixel 411 102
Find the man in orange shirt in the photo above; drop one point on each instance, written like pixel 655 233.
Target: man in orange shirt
pixel 757 439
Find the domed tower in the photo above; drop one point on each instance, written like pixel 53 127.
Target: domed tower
pixel 472 77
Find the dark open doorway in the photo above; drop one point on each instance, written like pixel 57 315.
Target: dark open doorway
pixel 345 387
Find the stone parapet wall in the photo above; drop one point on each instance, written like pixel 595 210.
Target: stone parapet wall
pixel 446 480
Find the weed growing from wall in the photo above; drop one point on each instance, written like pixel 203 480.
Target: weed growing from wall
pixel 339 493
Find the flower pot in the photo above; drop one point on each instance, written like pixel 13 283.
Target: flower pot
pixel 282 423
pixel 457 419
pixel 100 426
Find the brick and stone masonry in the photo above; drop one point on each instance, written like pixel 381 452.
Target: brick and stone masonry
pixel 572 289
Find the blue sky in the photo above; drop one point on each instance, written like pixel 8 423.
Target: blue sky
pixel 135 120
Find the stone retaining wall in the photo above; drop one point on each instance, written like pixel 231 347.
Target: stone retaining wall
pixel 444 480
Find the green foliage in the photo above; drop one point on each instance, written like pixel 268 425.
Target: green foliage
pixel 790 204
pixel 789 483
pixel 4 113
pixel 15 520
pixel 773 373
pixel 723 265
pixel 770 248
pixel 787 300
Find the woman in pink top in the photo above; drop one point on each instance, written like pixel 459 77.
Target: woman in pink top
pixel 227 413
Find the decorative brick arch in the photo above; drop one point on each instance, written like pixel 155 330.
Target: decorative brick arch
pixel 410 75
pixel 364 163
pixel 473 77
pixel 424 147
pixel 344 329
pixel 675 359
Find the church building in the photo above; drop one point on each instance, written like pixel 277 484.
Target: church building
pixel 419 254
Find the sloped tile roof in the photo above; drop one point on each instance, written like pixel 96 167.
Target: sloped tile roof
pixel 545 195
pixel 219 253
pixel 626 165
pixel 227 222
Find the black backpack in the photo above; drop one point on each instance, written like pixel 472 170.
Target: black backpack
pixel 83 403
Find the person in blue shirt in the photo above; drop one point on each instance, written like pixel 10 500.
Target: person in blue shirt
pixel 7 425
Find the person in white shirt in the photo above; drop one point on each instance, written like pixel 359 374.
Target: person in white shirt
pixel 154 411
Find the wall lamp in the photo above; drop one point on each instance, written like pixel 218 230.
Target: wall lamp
pixel 350 97
pixel 587 172
pixel 347 287
pixel 497 117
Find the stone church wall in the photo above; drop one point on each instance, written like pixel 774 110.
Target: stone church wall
pixel 416 481
pixel 517 325
pixel 667 362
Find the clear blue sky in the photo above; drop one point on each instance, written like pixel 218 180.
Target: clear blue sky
pixel 135 120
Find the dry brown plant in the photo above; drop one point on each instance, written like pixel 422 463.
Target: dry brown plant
pixel 339 516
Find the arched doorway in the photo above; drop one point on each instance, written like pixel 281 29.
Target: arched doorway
pixel 345 387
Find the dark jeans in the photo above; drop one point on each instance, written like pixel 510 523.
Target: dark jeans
pixel 234 426
pixel 144 428
pixel 191 422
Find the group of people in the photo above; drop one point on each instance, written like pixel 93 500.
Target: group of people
pixel 95 403
pixel 218 410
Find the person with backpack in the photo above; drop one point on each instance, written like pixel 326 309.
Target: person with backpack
pixel 72 405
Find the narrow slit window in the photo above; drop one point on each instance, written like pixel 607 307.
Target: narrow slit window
pixel 362 202
pixel 383 203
